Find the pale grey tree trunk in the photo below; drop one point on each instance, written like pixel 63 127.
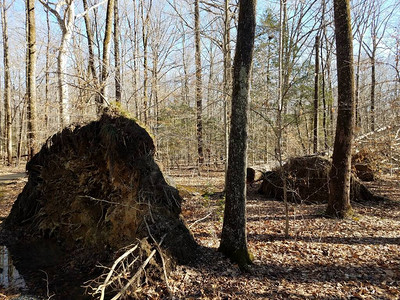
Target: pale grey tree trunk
pixel 7 85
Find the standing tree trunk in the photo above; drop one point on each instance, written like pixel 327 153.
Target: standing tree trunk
pixel 323 67
pixel 89 35
pixel 145 39
pixel 199 91
pixel 227 77
pixel 339 197
pixel 118 91
pixel 47 75
pixel 7 85
pixel 233 237
pixel 106 55
pixel 373 83
pixel 31 77
pixel 316 94
pixel 282 85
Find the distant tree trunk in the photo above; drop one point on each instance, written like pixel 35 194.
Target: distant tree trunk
pixel 323 88
pixel 323 67
pixel 47 75
pixel 21 131
pixel 145 39
pixel 316 94
pixel 233 237
pixel 117 59
pixel 339 197
pixel 134 42
pixel 282 86
pixel 357 87
pixel 199 87
pixel 227 78
pixel 373 83
pixel 31 77
pixel 89 35
pixel 106 55
pixel 7 85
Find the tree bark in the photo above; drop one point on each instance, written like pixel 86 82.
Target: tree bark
pixel 47 75
pixel 7 85
pixel 118 91
pixel 145 38
pixel 89 35
pixel 199 87
pixel 316 94
pixel 106 55
pixel 373 83
pixel 233 237
pixel 227 78
pixel 31 77
pixel 339 197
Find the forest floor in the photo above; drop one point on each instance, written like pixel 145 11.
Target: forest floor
pixel 322 258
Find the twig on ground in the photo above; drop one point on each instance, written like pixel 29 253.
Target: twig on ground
pixel 199 220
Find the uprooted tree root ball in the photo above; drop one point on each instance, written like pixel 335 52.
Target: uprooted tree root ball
pixel 307 180
pixel 95 189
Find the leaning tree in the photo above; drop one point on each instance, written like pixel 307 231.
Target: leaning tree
pixel 233 238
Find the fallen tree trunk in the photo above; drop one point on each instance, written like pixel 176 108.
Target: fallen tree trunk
pixel 307 179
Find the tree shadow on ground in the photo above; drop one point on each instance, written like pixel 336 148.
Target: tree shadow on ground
pixel 329 239
pixel 278 277
pixel 333 273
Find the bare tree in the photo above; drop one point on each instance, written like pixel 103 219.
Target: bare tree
pixel 7 84
pixel 64 12
pixel 316 94
pixel 227 76
pixel 339 197
pixel 89 35
pixel 199 85
pixel 106 55
pixel 233 237
pixel 117 58
pixel 145 18
pixel 377 26
pixel 31 77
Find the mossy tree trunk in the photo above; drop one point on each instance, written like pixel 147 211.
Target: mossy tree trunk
pixel 233 238
pixel 339 197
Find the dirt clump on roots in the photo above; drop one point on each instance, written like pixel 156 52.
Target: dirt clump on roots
pixel 307 181
pixel 93 190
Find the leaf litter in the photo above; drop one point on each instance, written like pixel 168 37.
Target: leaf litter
pixel 322 259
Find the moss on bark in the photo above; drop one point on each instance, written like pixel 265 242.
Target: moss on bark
pixel 242 256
